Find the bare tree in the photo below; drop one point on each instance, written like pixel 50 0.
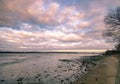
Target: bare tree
pixel 112 23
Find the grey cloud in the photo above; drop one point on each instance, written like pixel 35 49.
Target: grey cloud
pixel 68 27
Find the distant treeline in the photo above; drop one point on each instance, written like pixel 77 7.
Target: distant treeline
pixel 112 52
pixel 50 52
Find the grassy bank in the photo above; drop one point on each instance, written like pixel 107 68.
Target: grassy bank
pixel 104 73
pixel 118 71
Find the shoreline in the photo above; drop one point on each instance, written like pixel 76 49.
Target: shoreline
pixel 77 70
pixel 103 73
pixel 67 68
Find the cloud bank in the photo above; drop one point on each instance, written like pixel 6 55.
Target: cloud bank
pixel 35 25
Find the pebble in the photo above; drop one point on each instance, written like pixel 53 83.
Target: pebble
pixel 45 71
pixel 62 80
pixel 2 80
pixel 20 79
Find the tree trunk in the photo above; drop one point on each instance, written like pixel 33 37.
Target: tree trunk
pixel 118 47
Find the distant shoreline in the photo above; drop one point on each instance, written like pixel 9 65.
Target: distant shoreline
pixel 57 52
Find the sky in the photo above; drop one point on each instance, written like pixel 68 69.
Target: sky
pixel 38 25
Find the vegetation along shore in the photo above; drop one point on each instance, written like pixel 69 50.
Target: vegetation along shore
pixel 106 72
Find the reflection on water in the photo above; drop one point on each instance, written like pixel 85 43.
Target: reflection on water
pixel 42 68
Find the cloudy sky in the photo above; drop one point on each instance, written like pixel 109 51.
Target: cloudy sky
pixel 36 25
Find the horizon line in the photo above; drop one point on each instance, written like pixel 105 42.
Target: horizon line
pixel 101 50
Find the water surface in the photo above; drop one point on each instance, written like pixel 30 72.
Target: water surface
pixel 40 68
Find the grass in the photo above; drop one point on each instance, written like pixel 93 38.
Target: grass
pixel 105 73
pixel 97 58
pixel 96 74
pixel 118 71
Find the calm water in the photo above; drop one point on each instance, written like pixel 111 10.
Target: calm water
pixel 40 68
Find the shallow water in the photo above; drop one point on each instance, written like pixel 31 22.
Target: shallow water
pixel 40 68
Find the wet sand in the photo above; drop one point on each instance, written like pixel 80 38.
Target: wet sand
pixel 104 73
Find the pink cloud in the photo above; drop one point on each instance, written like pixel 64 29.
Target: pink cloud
pixel 69 27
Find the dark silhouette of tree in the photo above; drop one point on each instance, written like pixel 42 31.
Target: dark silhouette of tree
pixel 112 23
